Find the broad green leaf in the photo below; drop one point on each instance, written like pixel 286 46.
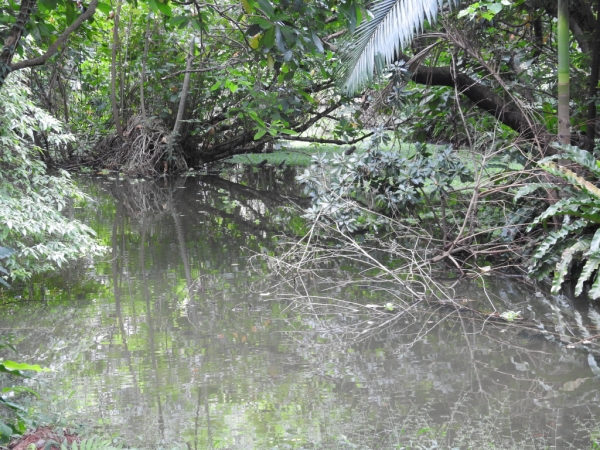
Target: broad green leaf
pixel 317 42
pixel 268 39
pixel 104 7
pixel 5 252
pixel 12 366
pixel 180 21
pixel 49 5
pixel 70 12
pixel 279 42
pixel 232 87
pixel 260 134
pixel 165 8
pixel 263 23
pixel 494 7
pixel 5 430
pixel 266 7
pixel 153 6
pixel 254 42
pixel 248 6
pixel 307 97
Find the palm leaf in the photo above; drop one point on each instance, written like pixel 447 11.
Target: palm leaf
pixel 378 42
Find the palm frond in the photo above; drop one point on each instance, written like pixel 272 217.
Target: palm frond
pixel 376 42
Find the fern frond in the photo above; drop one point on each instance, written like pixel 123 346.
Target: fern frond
pixel 595 244
pixel 577 155
pixel 555 237
pixel 561 207
pixel 594 291
pixel 590 267
pixel 572 178
pixel 532 187
pixel 565 263
pixel 377 42
pixel 93 443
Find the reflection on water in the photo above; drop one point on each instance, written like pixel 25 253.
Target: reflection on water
pixel 176 340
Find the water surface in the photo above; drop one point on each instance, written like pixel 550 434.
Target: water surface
pixel 178 340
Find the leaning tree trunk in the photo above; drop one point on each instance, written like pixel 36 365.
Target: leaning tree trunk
pixel 184 90
pixel 564 133
pixel 113 72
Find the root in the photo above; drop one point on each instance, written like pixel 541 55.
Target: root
pixel 146 148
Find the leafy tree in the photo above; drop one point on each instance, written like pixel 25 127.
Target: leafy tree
pixel 32 202
pixel 13 40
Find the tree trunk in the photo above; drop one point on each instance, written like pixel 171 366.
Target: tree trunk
pixel 113 72
pixel 184 90
pixel 143 74
pixel 483 97
pixel 564 133
pixel 590 133
pixel 12 41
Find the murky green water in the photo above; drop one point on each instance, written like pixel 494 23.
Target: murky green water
pixel 177 340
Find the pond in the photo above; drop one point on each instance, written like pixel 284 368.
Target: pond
pixel 178 340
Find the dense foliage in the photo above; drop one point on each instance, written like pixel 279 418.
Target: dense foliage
pixel 32 201
pixel 153 87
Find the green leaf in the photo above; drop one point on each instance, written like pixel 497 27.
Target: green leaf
pixel 317 42
pixel 104 8
pixel 5 252
pixel 263 23
pixel 532 187
pixel 153 6
pixel 180 21
pixel 562 267
pixel 49 5
pixel 279 40
pixel 307 97
pixel 165 8
pixel 248 6
pixel 5 430
pixel 70 12
pixel 494 7
pixel 260 134
pixel 595 245
pixel 266 7
pixel 594 292
pixel 12 366
pixel 232 87
pixel 591 265
pixel 268 38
